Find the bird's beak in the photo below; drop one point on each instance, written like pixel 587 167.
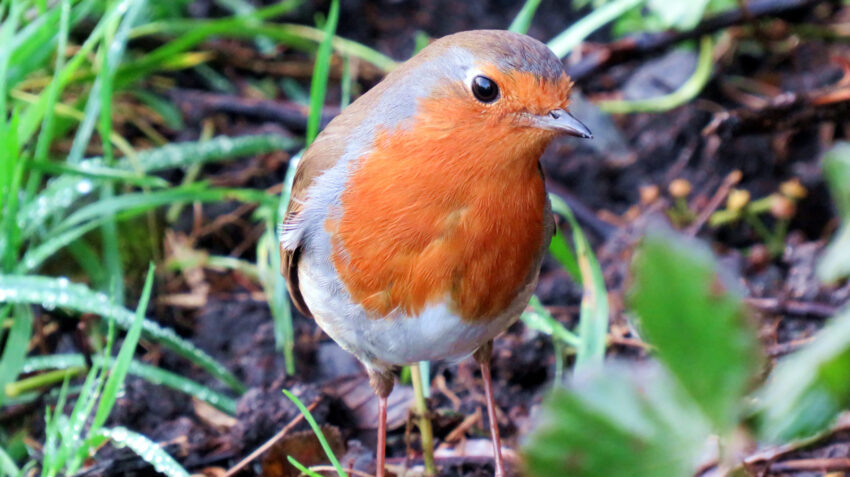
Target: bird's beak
pixel 561 121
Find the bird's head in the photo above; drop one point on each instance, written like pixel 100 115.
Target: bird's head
pixel 495 85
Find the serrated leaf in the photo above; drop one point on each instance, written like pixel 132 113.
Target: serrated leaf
pixel 809 388
pixel 617 420
pixel 700 330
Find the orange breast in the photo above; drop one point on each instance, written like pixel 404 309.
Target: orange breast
pixel 457 216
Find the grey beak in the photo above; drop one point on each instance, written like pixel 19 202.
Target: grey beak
pixel 564 122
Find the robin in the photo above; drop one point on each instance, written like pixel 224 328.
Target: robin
pixel 419 216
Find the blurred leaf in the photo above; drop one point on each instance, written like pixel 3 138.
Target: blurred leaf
pixel 700 330
pixel 616 420
pixel 835 263
pixel 678 14
pixel 523 19
pixel 562 44
pixel 808 389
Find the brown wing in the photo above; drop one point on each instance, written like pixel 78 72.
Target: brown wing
pixel 323 154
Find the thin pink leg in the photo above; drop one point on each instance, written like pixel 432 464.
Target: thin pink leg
pixel 382 434
pixel 494 423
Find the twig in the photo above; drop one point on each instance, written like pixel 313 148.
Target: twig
pixel 786 111
pixel 639 46
pixel 269 443
pixel 197 104
pixel 823 465
pixel 728 183
pixel 793 307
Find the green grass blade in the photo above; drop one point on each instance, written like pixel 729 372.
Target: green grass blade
pixel 15 350
pixel 46 135
pixel 9 26
pixel 122 363
pixel 142 201
pixel 316 430
pixel 58 292
pixel 102 83
pixel 835 262
pixel 562 44
pixel 145 448
pixel 541 320
pixel 593 320
pixel 301 468
pixel 523 19
pixel 319 82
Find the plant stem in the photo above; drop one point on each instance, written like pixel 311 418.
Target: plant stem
pixel 424 422
pixel 42 380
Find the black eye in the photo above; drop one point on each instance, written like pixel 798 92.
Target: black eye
pixel 484 89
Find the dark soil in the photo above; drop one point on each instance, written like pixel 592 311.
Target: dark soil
pixel 603 180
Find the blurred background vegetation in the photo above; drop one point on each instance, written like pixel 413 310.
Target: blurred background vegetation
pixel 146 151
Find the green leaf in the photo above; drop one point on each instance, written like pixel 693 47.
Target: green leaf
pixel 701 331
pixel 835 262
pixel 616 420
pixel 808 389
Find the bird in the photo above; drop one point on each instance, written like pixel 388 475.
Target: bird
pixel 419 216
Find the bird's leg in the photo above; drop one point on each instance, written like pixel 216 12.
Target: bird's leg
pixel 382 384
pixel 482 356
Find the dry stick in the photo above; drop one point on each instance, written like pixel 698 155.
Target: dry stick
pixel 647 44
pixel 330 468
pixel 823 465
pixel 263 448
pixel 424 421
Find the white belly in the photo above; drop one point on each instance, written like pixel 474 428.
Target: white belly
pixel 395 340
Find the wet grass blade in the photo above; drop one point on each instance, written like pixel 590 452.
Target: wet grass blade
pixel 58 292
pixel 122 363
pixel 145 448
pixel 316 430
pixel 145 371
pixel 319 81
pixel 62 192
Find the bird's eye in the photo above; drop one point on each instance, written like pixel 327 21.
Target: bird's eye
pixel 484 89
